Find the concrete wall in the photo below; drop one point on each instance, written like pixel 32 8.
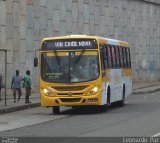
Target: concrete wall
pixel 23 23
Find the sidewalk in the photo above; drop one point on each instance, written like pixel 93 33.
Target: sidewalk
pixel 12 106
pixel 145 87
pixel 138 88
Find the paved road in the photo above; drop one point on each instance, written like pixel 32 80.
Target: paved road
pixel 140 117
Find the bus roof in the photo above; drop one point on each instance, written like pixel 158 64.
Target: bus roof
pixel 106 40
pixel 115 42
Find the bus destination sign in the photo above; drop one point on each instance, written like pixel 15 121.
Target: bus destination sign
pixel 69 44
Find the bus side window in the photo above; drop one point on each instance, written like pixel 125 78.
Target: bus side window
pixel 121 56
pixel 128 57
pixel 117 57
pixel 106 61
pixel 113 57
pixel 127 60
pixel 109 56
pixel 124 57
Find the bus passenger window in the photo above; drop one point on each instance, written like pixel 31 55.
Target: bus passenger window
pixel 117 57
pixel 109 56
pixel 121 56
pixel 106 61
pixel 128 57
pixel 124 57
pixel 113 57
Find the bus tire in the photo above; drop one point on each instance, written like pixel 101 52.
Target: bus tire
pixel 108 96
pixel 103 108
pixel 121 103
pixel 56 110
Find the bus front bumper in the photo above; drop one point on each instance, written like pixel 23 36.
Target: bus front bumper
pixel 70 101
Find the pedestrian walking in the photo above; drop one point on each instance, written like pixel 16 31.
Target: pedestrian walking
pixel 27 85
pixel 0 85
pixel 16 85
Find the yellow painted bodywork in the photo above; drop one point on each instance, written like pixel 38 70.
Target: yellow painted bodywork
pixel 107 77
pixel 49 101
pixel 127 72
pixel 124 44
pixel 77 53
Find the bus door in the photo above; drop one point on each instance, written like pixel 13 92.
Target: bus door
pixel 104 74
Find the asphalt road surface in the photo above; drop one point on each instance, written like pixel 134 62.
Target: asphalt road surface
pixel 139 117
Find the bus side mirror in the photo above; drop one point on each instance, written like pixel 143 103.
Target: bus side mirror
pixel 35 58
pixel 35 61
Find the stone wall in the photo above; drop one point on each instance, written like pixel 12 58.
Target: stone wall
pixel 23 23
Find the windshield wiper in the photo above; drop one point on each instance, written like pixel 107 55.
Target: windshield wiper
pixel 79 57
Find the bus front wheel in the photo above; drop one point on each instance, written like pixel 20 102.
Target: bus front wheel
pixel 56 109
pixel 103 108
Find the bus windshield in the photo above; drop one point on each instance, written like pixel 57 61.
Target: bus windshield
pixel 70 66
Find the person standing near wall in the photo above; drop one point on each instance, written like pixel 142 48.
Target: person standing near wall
pixel 0 85
pixel 16 85
pixel 27 85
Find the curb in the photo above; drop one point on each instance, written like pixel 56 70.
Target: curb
pixel 22 107
pixel 146 86
pixel 38 104
pixel 144 92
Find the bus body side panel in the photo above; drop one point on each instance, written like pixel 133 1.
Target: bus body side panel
pixel 105 83
pixel 112 79
pixel 127 78
pixel 115 79
pixel 116 82
pixel 104 93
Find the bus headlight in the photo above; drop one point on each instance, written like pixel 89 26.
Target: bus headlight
pixel 93 91
pixel 47 92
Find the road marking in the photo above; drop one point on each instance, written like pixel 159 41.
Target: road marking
pixel 156 135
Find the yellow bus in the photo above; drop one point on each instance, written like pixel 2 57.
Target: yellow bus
pixel 80 70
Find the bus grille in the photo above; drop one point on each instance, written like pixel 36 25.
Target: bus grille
pixel 67 94
pixel 69 88
pixel 70 99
